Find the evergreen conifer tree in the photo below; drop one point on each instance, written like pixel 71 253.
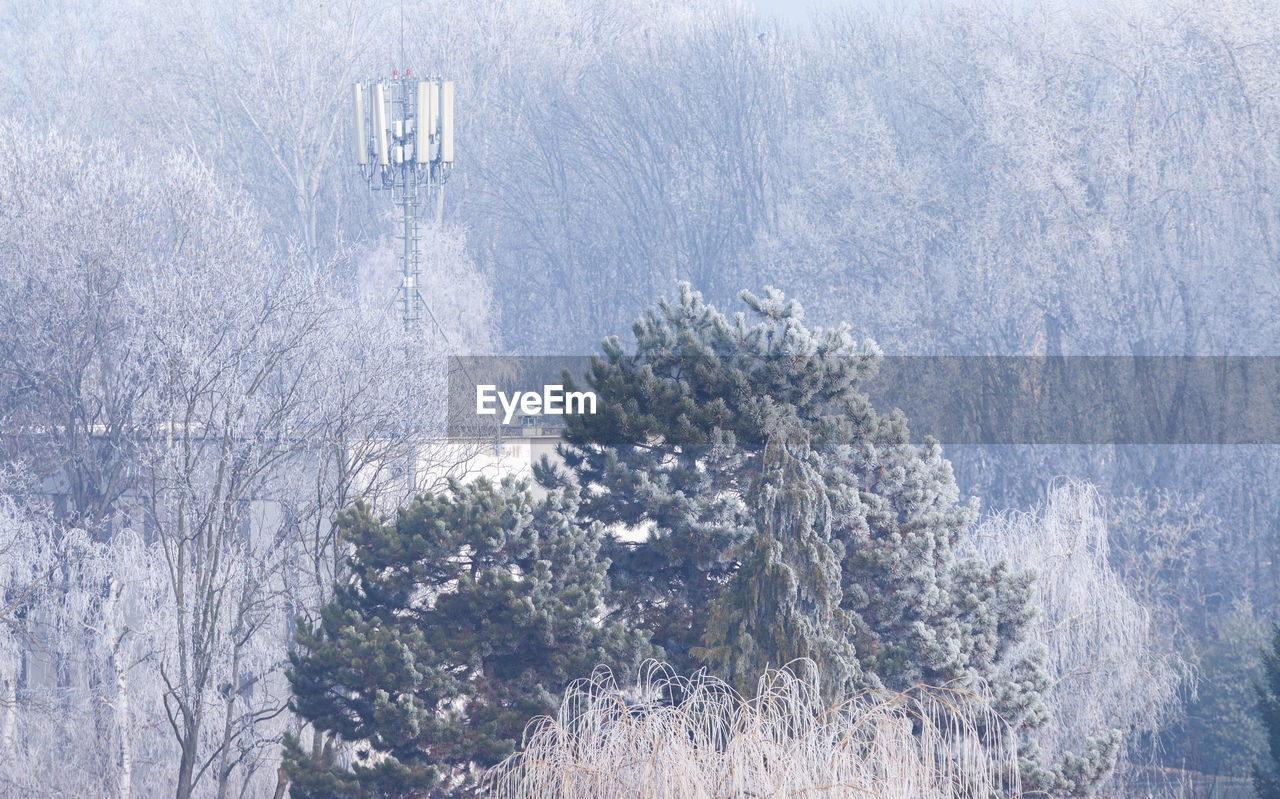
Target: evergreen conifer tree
pixel 464 617
pixel 783 602
pixel 785 517
pixel 1266 779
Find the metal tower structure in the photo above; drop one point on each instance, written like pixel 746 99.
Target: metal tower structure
pixel 404 144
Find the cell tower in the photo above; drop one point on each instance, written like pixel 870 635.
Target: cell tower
pixel 404 144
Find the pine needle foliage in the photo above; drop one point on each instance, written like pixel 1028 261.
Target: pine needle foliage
pixel 751 441
pixel 786 518
pixel 788 577
pixel 465 616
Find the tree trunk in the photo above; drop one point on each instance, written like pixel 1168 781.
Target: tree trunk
pixel 282 782
pixel 10 709
pixel 122 721
pixel 190 750
pixel 121 704
pixel 224 765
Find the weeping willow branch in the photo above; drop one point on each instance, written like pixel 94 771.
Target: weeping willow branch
pixel 675 737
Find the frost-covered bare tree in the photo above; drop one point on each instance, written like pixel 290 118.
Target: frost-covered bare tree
pixel 28 564
pixel 1040 178
pixel 1108 666
pixel 232 400
pixel 233 347
pixel 259 93
pixel 1169 550
pixel 73 235
pixel 674 736
pixel 144 370
pixel 82 636
pixel 106 46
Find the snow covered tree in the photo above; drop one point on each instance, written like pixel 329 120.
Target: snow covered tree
pixel 738 444
pixel 783 603
pixel 678 443
pixel 463 618
pixel 81 631
pixel 1107 666
pixel 201 405
pixel 670 736
pixel 152 375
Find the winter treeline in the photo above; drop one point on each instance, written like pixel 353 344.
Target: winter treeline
pixel 185 406
pixel 194 345
pixel 1018 178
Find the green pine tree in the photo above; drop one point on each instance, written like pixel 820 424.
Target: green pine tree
pixel 465 616
pixel 784 600
pixel 787 518
pixel 1266 778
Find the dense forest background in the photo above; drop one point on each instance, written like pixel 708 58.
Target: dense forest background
pixel 1029 178
pixel 1008 178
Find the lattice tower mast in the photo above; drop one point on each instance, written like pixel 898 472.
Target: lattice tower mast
pixel 404 144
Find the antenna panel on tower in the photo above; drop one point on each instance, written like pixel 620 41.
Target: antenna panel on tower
pixel 380 121
pixel 362 144
pixel 446 121
pixel 425 129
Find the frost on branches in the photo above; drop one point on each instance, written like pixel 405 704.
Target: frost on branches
pixel 200 403
pixel 668 736
pixel 1106 669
